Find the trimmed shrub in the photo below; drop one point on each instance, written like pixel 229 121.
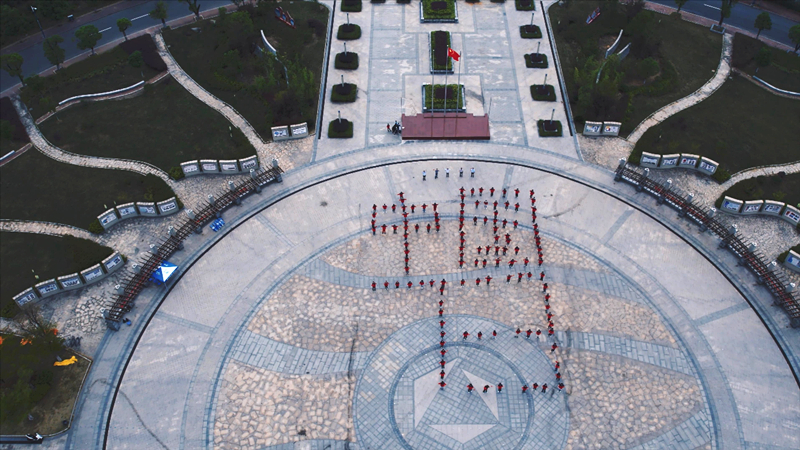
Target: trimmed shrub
pixel 346 61
pixel 439 9
pixel 340 129
pixel 530 32
pixel 440 42
pixel 536 60
pixel 135 59
pixel 721 175
pixel 543 92
pixel 439 100
pixel 556 132
pixel 176 173
pixel 348 32
pixel 344 93
pixel 147 47
pixel 95 227
pixel 351 5
pixel 404 2
pixel 525 5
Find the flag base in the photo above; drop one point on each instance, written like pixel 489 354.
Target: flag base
pixel 455 126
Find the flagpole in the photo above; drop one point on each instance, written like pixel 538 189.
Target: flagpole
pixel 432 93
pixel 458 90
pixel 444 114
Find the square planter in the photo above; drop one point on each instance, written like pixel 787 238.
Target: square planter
pixel 549 128
pixel 543 92
pixel 438 11
pixel 439 42
pixel 344 93
pixel 346 61
pixel 348 32
pixel 340 129
pixel 455 93
pixel 530 32
pixel 525 5
pixel 536 60
pixel 351 5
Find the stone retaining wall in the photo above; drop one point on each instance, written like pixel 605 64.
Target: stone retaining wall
pixel 681 161
pixel 735 206
pixel 138 209
pixel 222 166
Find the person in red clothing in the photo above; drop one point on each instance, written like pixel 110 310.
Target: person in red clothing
pixel 442 351
pixel 477 203
pixel 383 229
pixel 442 334
pixel 373 286
pixel 528 333
pixel 442 363
pixel 466 335
pixel 386 285
pixel 524 388
pixel 553 347
pixel 463 281
pixel 486 389
pixel 477 281
pixel 470 387
pixel 476 262
pixel 511 263
pixel 508 278
pixel 480 335
pixel 497 262
pixel 441 323
pixel 519 277
pixel 504 192
pixel 488 279
pixel 442 374
pixel 480 191
pixel 494 334
pixel 397 285
pixel 442 384
pixel 484 263
pixel 544 388
pixel 499 387
pixel 538 333
pixel 517 332
pixel 491 191
pixel 434 206
pixel 507 204
pixel 516 209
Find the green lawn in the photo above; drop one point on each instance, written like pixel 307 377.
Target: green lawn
pixel 781 188
pixel 740 126
pixel 103 72
pixel 35 187
pixel 165 127
pixel 783 71
pixel 691 49
pixel 48 256
pixel 257 89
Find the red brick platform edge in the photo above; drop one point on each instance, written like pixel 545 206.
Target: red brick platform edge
pixel 437 126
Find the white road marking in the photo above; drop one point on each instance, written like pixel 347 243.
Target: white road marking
pixel 137 18
pixel 105 29
pixel 712 7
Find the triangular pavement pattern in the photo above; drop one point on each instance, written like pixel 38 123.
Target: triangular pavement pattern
pixel 463 433
pixel 425 389
pixel 490 398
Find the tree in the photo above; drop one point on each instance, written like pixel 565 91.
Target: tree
pixel 160 13
pixel 763 58
pixel 238 3
pixel 680 4
pixel 123 24
pixel 725 10
pixel 794 35
pixel 52 51
pixel 88 35
pixel 193 7
pixel 12 63
pixel 763 22
pixel 35 327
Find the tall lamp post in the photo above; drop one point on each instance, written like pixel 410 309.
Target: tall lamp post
pixel 33 10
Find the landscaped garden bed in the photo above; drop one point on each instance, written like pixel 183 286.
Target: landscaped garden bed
pixel 348 32
pixel 543 92
pixel 737 126
pixel 525 5
pixel 70 194
pixel 536 60
pixel 346 61
pixel 453 95
pixel 344 93
pixel 165 127
pixel 530 32
pixel 549 128
pixel 441 11
pixel 684 56
pixel 783 188
pixel 782 70
pixel 340 129
pixel 440 61
pixel 26 256
pixel 351 5
pixel 221 57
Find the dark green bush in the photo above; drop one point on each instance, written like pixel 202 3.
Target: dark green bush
pixel 525 5
pixel 135 59
pixel 344 94
pixel 530 32
pixel 541 63
pixel 351 5
pixel 176 173
pixel 721 175
pixel 448 12
pixel 340 129
pixel 549 94
pixel 348 32
pixel 543 133
pixel 95 227
pixel 347 61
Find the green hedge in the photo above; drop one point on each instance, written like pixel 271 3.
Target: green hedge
pixel 548 96
pixel 526 32
pixel 339 63
pixel 341 130
pixel 349 97
pixel 344 35
pixel 447 13
pixel 543 133
pixel 449 65
pixel 351 5
pixel 530 63
pixel 520 7
pixel 439 103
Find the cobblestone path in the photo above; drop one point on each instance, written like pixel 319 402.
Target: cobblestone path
pixel 49 228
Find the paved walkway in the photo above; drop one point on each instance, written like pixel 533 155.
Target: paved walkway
pixel 760 171
pixel 723 70
pixel 49 228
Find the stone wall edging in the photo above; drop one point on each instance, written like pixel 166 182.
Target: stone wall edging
pixel 736 207
pixel 697 163
pixel 132 210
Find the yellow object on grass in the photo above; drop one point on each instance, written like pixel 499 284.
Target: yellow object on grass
pixel 66 362
pixel 24 341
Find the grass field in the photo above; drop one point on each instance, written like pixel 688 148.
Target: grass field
pixel 201 55
pixel 47 256
pixel 739 126
pixel 692 50
pixel 35 187
pixel 783 71
pixel 165 127
pixel 781 188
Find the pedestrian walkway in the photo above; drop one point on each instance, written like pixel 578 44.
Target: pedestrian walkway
pixel 48 228
pixel 723 70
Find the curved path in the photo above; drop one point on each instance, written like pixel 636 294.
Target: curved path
pixel 793 167
pixel 723 70
pixel 49 228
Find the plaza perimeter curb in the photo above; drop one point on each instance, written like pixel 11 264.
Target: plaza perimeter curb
pixel 285 191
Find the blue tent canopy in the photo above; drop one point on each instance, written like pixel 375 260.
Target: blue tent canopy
pixel 164 272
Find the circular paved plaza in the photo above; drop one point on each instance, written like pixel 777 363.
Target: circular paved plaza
pixel 275 338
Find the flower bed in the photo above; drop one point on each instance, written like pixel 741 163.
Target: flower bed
pixel 348 32
pixel 530 32
pixel 346 61
pixel 454 93
pixel 525 5
pixel 351 5
pixel 536 60
pixel 344 93
pixel 543 92
pixel 549 128
pixel 438 11
pixel 340 129
pixel 440 62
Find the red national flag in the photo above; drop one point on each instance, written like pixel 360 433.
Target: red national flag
pixel 452 53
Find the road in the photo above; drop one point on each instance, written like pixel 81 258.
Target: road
pixel 742 16
pixel 35 62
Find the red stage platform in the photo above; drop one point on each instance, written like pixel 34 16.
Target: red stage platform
pixel 461 126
